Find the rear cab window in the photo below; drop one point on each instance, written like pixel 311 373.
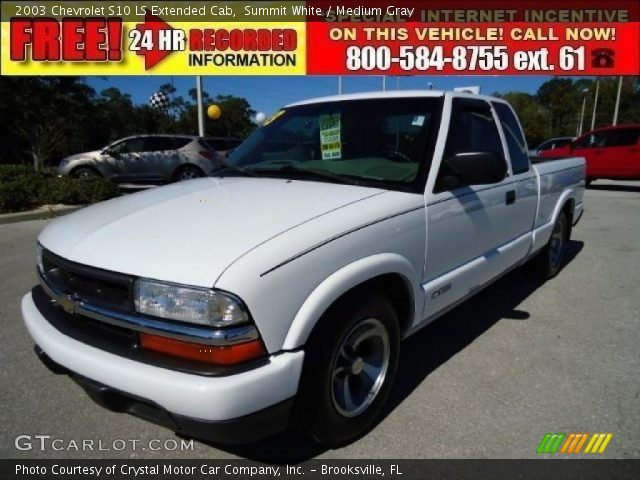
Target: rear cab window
pixel 516 142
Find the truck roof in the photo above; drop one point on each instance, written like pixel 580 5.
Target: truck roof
pixel 390 94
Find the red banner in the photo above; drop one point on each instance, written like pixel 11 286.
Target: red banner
pixel 436 38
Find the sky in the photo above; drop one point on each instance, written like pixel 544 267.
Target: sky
pixel 268 93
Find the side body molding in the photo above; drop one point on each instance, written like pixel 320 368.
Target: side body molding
pixel 345 279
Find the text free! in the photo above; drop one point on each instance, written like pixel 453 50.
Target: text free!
pixel 94 39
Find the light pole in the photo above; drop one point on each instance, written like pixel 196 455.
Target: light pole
pixel 595 105
pixel 584 104
pixel 200 109
pixel 617 109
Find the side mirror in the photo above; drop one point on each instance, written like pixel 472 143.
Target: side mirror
pixel 477 168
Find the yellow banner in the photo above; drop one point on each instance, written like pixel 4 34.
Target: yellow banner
pixel 177 38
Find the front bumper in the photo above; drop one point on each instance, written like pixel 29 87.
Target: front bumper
pixel 185 397
pixel 244 429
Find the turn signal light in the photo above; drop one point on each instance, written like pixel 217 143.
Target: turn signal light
pixel 219 355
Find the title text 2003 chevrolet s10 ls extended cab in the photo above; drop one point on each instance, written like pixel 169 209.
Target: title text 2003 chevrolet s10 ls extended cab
pixel 278 290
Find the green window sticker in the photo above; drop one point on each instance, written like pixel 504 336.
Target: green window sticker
pixel 330 142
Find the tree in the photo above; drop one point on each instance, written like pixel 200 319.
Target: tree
pixel 534 117
pixel 629 111
pixel 563 101
pixel 49 116
pixel 235 120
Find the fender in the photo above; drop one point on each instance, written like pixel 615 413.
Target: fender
pixel 341 281
pixel 542 234
pixel 567 196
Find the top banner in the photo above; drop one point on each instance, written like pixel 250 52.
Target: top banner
pixel 564 37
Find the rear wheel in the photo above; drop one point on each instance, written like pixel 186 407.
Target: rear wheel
pixel 350 365
pixel 187 172
pixel 551 258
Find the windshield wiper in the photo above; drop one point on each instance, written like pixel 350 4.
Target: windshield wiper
pixel 247 172
pixel 311 173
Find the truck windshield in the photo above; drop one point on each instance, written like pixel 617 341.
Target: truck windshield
pixel 385 143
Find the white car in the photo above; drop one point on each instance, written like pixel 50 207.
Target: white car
pixel 278 291
pixel 147 158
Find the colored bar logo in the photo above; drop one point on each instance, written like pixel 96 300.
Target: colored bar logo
pixel 574 442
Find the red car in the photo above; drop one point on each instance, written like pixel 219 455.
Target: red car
pixel 611 152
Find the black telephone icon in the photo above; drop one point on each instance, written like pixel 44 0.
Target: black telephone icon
pixel 602 58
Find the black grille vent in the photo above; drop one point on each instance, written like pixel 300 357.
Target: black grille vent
pixel 99 287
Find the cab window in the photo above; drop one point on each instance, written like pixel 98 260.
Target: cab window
pixel 472 129
pixel 131 145
pixel 625 137
pixel 594 140
pixel 515 138
pixel 159 144
pixel 182 142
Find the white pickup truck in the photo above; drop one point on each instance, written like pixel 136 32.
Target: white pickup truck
pixel 278 290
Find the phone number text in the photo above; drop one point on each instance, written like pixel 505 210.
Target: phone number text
pixel 467 58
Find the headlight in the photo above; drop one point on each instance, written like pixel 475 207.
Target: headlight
pixel 39 258
pixel 188 304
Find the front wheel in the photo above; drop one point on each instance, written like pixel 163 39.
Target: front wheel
pixel 350 366
pixel 84 172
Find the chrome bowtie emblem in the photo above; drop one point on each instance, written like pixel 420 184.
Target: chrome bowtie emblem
pixel 69 303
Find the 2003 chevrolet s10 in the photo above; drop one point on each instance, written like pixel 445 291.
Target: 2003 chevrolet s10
pixel 278 291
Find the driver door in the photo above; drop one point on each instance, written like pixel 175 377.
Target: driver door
pixel 122 158
pixel 469 227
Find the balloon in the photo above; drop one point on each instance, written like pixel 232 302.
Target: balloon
pixel 214 112
pixel 260 117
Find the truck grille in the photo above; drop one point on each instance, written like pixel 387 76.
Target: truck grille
pixel 99 287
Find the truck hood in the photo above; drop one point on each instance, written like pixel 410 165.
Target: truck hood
pixel 190 232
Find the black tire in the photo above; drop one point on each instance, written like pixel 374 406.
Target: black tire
pixel 187 172
pixel 326 378
pixel 85 172
pixel 551 258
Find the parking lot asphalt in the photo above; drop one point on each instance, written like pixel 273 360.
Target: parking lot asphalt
pixel 487 380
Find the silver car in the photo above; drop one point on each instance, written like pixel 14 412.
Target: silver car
pixel 146 158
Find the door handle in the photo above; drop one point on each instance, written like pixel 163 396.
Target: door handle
pixel 511 197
